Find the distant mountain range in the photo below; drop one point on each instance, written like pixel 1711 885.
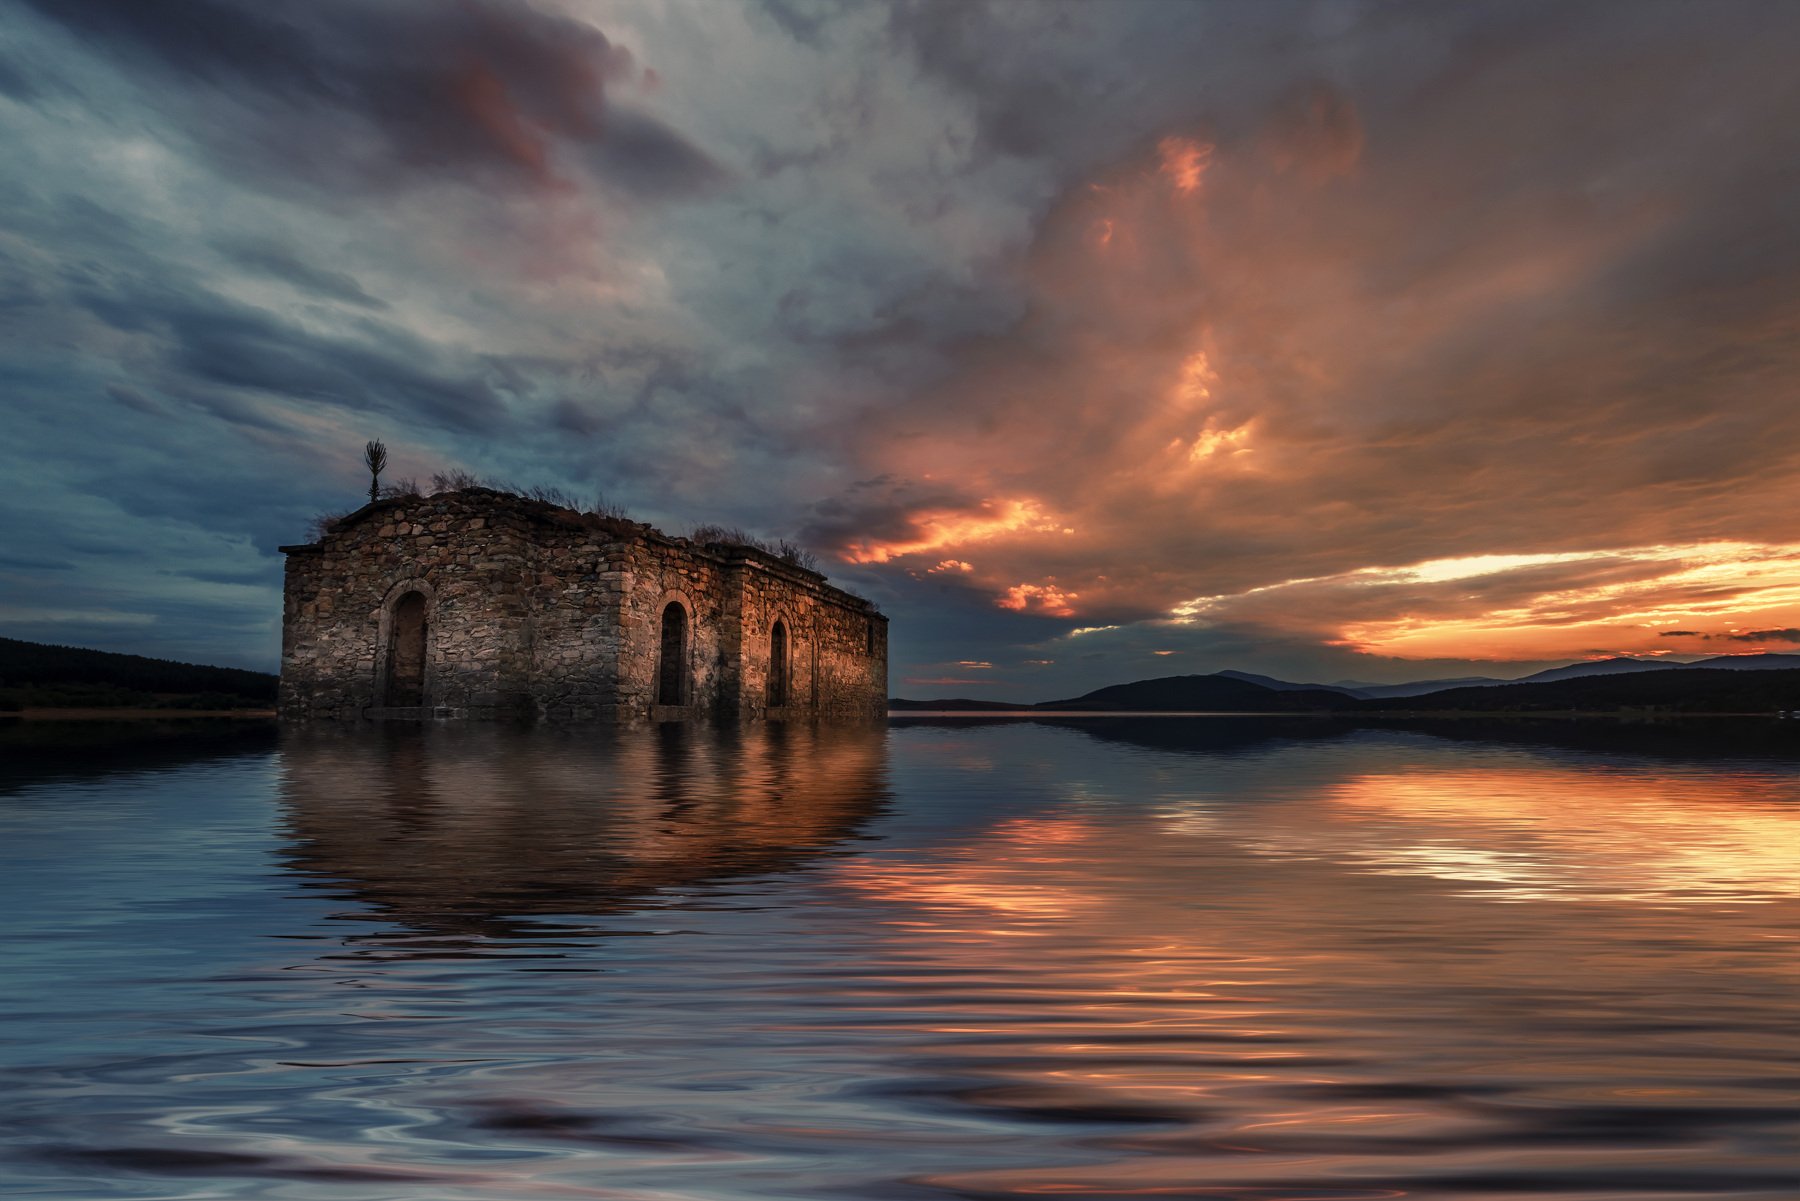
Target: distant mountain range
pixel 1215 692
pixel 1596 667
pixel 1710 685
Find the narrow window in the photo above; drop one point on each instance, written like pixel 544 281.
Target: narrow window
pixel 406 652
pixel 671 675
pixel 870 634
pixel 778 665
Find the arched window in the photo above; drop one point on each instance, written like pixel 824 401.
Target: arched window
pixel 672 665
pixel 407 651
pixel 778 665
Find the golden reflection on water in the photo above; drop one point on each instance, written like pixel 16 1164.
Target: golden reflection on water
pixel 1639 833
pixel 1003 880
pixel 1283 1001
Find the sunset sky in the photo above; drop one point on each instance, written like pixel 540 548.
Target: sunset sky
pixel 1094 341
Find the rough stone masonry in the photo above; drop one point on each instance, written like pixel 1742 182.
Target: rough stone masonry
pixel 479 603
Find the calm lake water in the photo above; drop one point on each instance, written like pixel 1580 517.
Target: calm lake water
pixel 1218 958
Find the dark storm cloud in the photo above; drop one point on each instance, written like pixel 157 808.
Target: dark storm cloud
pixel 270 259
pixel 13 82
pixel 651 158
pixel 20 563
pixel 1039 92
pixel 131 398
pixel 245 349
pixel 1039 89
pixel 393 93
pixel 210 341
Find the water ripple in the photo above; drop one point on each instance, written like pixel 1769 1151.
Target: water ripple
pixel 1284 962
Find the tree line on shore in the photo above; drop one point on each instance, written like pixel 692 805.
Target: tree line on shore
pixel 35 675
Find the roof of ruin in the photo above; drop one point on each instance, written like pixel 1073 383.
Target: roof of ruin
pixel 606 528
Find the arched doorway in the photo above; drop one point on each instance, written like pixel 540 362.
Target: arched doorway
pixel 778 665
pixel 406 651
pixel 671 671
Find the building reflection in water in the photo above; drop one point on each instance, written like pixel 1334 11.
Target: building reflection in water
pixel 493 832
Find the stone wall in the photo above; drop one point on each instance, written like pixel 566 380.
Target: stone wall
pixel 572 592
pixel 532 609
pixel 836 644
pixel 470 565
pixel 660 572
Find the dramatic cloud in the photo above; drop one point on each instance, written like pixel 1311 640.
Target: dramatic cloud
pixel 1093 340
pixel 1508 607
pixel 1488 309
pixel 476 92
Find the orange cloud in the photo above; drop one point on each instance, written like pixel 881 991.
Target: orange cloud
pixel 1047 598
pixel 1248 368
pixel 1552 605
pixel 1184 161
pixel 1209 443
pixel 938 529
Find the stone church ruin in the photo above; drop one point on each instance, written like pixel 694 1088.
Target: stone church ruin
pixel 478 603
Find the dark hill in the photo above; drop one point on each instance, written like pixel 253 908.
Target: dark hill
pixel 35 674
pixel 1619 665
pixel 1421 687
pixel 1202 693
pixel 952 705
pixel 1622 665
pixel 1288 685
pixel 1763 662
pixel 1679 689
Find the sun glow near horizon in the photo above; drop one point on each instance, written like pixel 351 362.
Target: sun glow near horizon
pixel 1698 598
pixel 1132 450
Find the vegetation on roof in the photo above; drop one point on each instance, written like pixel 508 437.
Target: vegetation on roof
pixel 598 513
pixel 725 535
